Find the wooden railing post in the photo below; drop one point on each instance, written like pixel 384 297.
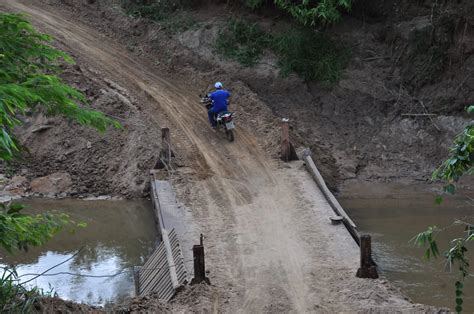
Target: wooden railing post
pixel 166 144
pixel 288 152
pixel 166 152
pixel 367 268
pixel 199 264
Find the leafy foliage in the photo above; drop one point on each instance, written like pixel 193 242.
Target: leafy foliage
pixel 459 163
pixel 308 12
pixel 28 82
pixel 18 230
pixel 314 56
pixel 242 41
pixel 455 256
pixel 427 238
pixel 461 159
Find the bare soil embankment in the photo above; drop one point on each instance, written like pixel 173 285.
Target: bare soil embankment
pixel 358 129
pixel 64 159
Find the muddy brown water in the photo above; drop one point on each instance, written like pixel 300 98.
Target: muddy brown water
pixel 393 220
pixel 119 235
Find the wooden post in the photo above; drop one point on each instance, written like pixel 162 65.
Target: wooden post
pixel 166 152
pixel 166 144
pixel 288 152
pixel 199 264
pixel 367 268
pixel 136 279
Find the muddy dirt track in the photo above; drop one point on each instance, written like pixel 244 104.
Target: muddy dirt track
pixel 270 247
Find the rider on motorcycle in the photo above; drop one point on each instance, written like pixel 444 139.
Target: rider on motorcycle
pixel 220 101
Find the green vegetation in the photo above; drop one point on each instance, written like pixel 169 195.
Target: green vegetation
pixel 461 159
pixel 242 41
pixel 29 83
pixel 15 298
pixel 308 12
pixel 312 55
pixel 459 163
pixel 18 231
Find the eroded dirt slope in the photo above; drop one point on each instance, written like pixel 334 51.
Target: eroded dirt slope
pixel 407 58
pixel 64 159
pixel 270 246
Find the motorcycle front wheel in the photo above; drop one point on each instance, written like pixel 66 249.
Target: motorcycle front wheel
pixel 230 135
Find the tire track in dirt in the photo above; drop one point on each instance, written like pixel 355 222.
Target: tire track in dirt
pixel 267 249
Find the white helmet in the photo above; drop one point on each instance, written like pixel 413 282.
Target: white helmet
pixel 218 85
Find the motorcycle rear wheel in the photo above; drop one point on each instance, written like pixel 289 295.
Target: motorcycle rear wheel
pixel 230 135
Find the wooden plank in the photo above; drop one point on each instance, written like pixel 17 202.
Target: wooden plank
pixel 311 166
pixel 156 205
pixel 164 272
pixel 171 262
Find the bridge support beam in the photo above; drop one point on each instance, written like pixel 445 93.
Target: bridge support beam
pixel 288 152
pixel 367 269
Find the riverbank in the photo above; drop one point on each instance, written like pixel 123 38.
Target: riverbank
pixel 366 135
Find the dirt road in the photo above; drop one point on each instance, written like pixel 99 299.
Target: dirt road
pixel 269 243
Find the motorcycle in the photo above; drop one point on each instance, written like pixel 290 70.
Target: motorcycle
pixel 224 119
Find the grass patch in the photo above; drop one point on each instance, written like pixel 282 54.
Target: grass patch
pixel 313 56
pixel 242 41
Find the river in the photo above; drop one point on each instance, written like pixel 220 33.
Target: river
pixel 119 235
pixel 393 218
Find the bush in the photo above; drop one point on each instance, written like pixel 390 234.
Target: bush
pixel 314 56
pixel 242 41
pixel 308 12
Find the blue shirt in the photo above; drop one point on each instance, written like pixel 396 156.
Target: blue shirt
pixel 220 99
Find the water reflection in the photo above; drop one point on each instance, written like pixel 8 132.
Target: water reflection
pixel 119 234
pixel 392 222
